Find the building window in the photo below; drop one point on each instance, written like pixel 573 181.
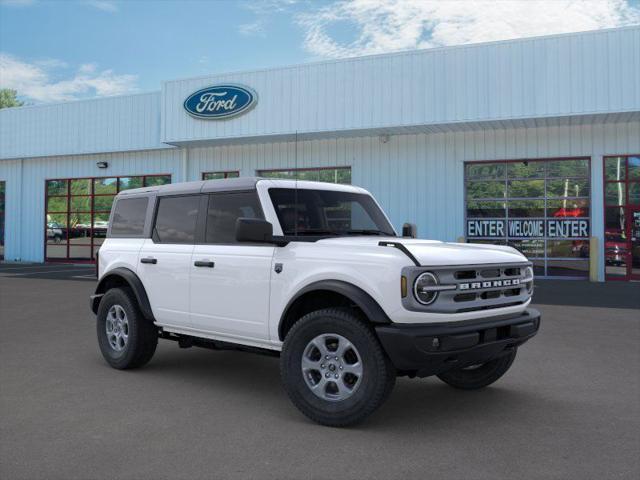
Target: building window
pixel 220 175
pixel 2 210
pixel 622 217
pixel 328 174
pixel 540 207
pixel 77 213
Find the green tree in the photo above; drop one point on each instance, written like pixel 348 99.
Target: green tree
pixel 8 98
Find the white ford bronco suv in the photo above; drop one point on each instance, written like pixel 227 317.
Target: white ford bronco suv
pixel 312 272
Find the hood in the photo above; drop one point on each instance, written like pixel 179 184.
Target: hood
pixel 435 253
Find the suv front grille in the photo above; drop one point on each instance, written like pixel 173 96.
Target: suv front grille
pixel 474 288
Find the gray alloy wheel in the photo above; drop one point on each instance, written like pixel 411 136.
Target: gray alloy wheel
pixel 332 367
pixel 126 338
pixel 117 328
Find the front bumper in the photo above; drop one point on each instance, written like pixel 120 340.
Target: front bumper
pixel 425 350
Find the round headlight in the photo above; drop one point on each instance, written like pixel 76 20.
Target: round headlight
pixel 528 279
pixel 422 288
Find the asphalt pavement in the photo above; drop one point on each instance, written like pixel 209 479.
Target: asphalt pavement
pixel 568 409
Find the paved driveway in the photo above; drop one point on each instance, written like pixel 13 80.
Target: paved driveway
pixel 569 408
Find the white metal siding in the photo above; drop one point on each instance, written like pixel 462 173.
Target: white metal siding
pixel 25 195
pixel 547 77
pixel 417 178
pixel 90 126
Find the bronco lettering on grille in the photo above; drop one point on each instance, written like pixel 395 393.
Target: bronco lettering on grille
pixel 489 284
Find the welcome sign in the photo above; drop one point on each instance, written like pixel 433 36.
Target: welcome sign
pixel 528 228
pixel 219 102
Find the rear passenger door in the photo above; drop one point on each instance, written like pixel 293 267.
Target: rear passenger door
pixel 165 259
pixel 230 280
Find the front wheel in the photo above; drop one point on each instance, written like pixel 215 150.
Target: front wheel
pixel 479 376
pixel 334 369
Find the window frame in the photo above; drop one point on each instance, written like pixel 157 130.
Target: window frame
pixel 3 217
pixel 260 172
pixel 545 259
pixel 626 208
pixel 92 246
pixel 226 174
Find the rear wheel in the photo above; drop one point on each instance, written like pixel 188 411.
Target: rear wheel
pixel 479 376
pixel 126 338
pixel 334 369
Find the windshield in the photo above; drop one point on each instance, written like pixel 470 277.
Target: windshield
pixel 305 212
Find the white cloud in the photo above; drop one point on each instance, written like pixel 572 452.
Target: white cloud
pixel 264 7
pixel 252 29
pixel 51 63
pixel 36 81
pixel 104 5
pixel 389 25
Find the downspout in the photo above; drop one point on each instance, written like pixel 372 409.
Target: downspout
pixel 184 162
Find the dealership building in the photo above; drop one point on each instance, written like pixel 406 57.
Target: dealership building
pixel 532 142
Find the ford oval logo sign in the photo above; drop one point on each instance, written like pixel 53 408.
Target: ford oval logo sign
pixel 219 102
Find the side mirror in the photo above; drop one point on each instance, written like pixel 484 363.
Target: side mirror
pixel 409 230
pixel 254 230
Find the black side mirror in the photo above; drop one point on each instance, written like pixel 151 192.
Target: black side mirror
pixel 409 230
pixel 254 230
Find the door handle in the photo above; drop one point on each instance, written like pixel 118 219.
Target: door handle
pixel 204 263
pixel 149 260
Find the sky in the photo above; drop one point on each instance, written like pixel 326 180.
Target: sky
pixel 59 50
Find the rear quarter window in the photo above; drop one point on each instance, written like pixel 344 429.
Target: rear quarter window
pixel 128 217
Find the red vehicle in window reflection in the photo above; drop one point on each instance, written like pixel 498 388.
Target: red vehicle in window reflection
pixel 615 248
pixel 570 212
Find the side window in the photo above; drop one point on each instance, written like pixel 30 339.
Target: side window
pixel 176 219
pixel 224 210
pixel 128 217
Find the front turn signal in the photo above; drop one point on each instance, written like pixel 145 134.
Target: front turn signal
pixel 403 286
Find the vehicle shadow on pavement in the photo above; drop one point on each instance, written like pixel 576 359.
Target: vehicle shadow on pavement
pixel 422 402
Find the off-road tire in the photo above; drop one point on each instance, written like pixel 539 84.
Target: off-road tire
pixel 142 333
pixel 480 377
pixel 378 377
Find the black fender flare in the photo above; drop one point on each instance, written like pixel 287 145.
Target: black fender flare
pixel 372 310
pixel 133 281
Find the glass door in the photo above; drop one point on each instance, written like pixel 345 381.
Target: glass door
pixel 2 188
pixel 634 241
pixel 622 217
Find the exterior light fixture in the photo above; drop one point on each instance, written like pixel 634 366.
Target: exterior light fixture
pixel 102 164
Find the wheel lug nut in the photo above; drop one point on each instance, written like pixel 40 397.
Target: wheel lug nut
pixel 327 357
pixel 336 358
pixel 341 367
pixel 327 375
pixel 322 365
pixel 336 375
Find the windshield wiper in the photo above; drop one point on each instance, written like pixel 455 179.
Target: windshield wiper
pixel 314 232
pixel 369 232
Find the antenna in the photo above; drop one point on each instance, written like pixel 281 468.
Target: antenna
pixel 295 196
